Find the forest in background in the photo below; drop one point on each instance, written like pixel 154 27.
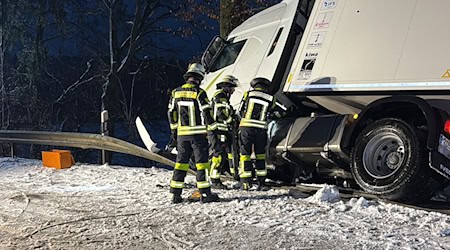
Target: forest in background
pixel 64 61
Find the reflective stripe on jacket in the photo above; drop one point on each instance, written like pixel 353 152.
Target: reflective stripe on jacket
pixel 256 104
pixel 189 111
pixel 222 110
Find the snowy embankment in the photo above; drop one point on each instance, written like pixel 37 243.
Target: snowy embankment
pixel 112 207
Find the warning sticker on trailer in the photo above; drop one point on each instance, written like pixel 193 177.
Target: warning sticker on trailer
pixel 323 20
pixel 446 74
pixel 307 66
pixel 329 4
pixel 317 39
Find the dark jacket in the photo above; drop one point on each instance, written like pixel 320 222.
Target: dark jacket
pixel 190 112
pixel 256 106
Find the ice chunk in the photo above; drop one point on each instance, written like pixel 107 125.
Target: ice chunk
pixel 326 194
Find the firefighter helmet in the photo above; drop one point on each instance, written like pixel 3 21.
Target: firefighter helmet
pixel 228 81
pixel 260 82
pixel 196 70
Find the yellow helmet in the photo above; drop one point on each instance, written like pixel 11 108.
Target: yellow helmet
pixel 196 70
pixel 228 81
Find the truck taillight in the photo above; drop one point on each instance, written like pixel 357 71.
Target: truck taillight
pixel 447 127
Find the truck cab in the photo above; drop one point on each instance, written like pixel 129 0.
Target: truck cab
pixel 366 94
pixel 261 46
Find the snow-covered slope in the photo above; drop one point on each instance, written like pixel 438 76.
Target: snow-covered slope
pixel 113 207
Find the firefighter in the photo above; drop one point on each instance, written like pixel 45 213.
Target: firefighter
pixel 257 104
pixel 190 116
pixel 221 143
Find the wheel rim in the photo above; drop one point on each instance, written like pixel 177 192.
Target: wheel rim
pixel 384 155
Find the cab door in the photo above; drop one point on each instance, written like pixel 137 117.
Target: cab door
pixel 263 38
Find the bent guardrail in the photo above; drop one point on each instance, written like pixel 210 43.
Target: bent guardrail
pixel 80 140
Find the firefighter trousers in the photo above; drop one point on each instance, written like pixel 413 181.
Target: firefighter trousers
pixel 221 156
pixel 252 140
pixel 186 146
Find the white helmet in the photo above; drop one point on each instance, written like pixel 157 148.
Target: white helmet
pixel 195 69
pixel 228 81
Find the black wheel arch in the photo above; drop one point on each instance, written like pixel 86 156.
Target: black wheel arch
pixel 396 107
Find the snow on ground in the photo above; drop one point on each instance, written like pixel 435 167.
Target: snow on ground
pixel 113 207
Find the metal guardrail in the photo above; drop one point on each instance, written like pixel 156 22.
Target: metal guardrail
pixel 80 140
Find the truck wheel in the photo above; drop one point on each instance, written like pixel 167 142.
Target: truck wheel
pixel 390 159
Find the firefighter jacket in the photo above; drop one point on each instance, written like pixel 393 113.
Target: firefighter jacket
pixel 190 112
pixel 255 107
pixel 222 111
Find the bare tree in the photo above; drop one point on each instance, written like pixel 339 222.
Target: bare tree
pixel 11 30
pixel 133 37
pixel 234 12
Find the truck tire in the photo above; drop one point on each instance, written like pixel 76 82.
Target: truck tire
pixel 390 159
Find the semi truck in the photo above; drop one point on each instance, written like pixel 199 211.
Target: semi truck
pixel 367 84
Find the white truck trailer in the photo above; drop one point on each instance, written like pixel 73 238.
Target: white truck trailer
pixel 368 83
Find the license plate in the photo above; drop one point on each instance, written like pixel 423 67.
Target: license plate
pixel 444 146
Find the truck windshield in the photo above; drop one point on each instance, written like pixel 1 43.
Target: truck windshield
pixel 227 56
pixel 221 53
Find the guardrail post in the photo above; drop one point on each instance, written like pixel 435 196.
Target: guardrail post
pixel 106 155
pixel 12 150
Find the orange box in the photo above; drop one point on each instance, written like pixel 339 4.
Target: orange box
pixel 57 159
pixel 60 150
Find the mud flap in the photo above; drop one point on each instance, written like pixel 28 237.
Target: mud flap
pixel 440 164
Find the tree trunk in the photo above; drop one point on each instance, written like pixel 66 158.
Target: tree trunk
pixel 39 41
pixel 2 63
pixel 2 87
pixel 111 83
pixel 226 12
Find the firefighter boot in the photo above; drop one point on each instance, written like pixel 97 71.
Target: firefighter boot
pixel 176 198
pixel 209 197
pixel 262 185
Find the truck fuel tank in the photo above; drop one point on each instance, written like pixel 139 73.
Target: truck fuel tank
pixel 310 139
